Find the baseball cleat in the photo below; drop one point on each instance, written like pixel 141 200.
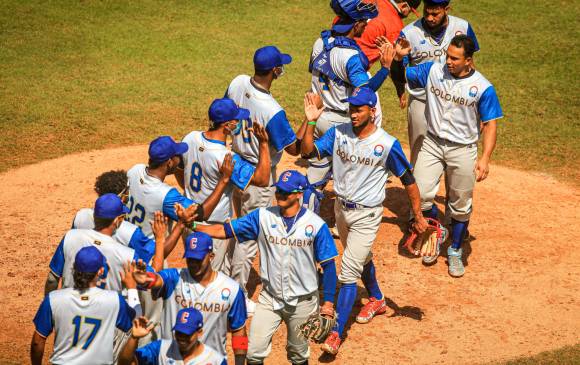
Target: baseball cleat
pixel 332 343
pixel 429 260
pixel 250 307
pixel 456 268
pixel 371 309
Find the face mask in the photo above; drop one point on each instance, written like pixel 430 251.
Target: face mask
pixel 238 128
pixel 282 72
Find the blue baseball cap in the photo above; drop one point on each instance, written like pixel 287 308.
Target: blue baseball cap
pixel 197 246
pixel 89 259
pixel 437 2
pixel 291 181
pixel 266 58
pixel 109 206
pixel 224 110
pixel 189 321
pixel 362 96
pixel 163 148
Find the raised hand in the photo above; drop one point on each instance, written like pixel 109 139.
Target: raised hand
pixel 402 48
pixel 187 216
pixel 159 225
pixel 313 107
pixel 127 275
pixel 227 167
pixel 140 328
pixel 386 51
pixel 140 273
pixel 260 132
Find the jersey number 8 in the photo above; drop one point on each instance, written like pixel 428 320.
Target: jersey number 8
pixel 96 323
pixel 195 178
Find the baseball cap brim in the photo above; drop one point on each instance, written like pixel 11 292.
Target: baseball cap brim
pixel 180 148
pixel 355 101
pixel 243 114
pixel 125 210
pixel 184 328
pixel 282 186
pixel 195 255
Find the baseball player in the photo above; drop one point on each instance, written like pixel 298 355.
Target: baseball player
pixel 185 348
pixel 338 66
pixel 429 38
pixel 129 234
pixel 253 94
pixel 218 297
pixel 149 193
pixel 292 241
pixel 461 105
pixel 362 156
pixel 201 173
pixel 109 213
pixel 83 316
pixel 389 24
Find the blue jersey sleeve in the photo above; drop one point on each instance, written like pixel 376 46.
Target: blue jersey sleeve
pixel 170 278
pixel 172 197
pixel 248 227
pixel 471 34
pixel 243 172
pixel 357 75
pixel 238 314
pixel 43 319
pixel 125 316
pixel 325 144
pixel 377 80
pixel 488 107
pixel 144 246
pixel 417 75
pixel 324 246
pixel 397 162
pixel 57 262
pixel 149 354
pixel 280 132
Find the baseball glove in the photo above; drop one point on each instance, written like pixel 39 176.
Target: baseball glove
pixel 318 326
pixel 429 244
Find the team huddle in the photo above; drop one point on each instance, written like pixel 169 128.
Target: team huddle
pixel 120 303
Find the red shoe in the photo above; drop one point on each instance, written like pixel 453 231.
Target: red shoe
pixel 371 309
pixel 332 343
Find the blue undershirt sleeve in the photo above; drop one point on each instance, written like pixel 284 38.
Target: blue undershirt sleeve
pixel 329 280
pixel 377 80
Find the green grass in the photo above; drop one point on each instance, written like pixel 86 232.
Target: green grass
pixel 80 75
pixel 569 355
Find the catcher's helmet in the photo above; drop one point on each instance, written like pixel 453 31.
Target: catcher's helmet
pixel 355 9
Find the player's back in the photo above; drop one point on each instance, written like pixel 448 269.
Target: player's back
pixel 115 253
pixel 84 325
pixel 146 195
pixel 263 107
pixel 202 174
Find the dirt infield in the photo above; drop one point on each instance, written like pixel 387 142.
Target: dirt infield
pixel 519 295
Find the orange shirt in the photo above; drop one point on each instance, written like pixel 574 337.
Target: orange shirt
pixel 388 23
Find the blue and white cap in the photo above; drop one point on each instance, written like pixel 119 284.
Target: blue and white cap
pixel 197 246
pixel 291 181
pixel 189 321
pixel 362 96
pixel 89 259
pixel 109 206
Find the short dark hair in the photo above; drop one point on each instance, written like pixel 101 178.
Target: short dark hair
pixel 465 42
pixel 82 279
pixel 111 182
pixel 155 164
pixel 262 72
pixel 102 223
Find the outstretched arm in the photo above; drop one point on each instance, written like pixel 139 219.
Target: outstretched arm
pixel 313 111
pixel 213 230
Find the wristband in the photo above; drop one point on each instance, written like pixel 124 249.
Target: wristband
pixel 311 123
pixel 240 343
pixel 193 225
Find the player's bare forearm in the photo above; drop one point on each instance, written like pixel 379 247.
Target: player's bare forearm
pixel 261 176
pixel 489 132
pixel 307 145
pixel 213 230
pixel 293 149
pixel 212 201
pixel 172 240
pixel 37 348
pixel 127 354
pixel 51 283
pixel 420 224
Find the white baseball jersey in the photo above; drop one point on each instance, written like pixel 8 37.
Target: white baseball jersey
pixel 128 234
pixel 166 352
pixel 265 110
pixel 289 250
pixel 84 324
pixel 455 106
pixel 346 64
pixel 360 166
pixel 425 48
pixel 148 194
pixel 201 171
pixel 116 254
pixel 222 304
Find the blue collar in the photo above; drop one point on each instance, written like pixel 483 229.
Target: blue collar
pixel 212 140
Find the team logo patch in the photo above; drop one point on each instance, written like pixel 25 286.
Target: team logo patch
pixel 193 243
pixel 379 149
pixel 473 91
pixel 423 41
pixel 184 317
pixel 98 243
pixel 286 175
pixel 356 91
pixel 226 294
pixel 309 230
